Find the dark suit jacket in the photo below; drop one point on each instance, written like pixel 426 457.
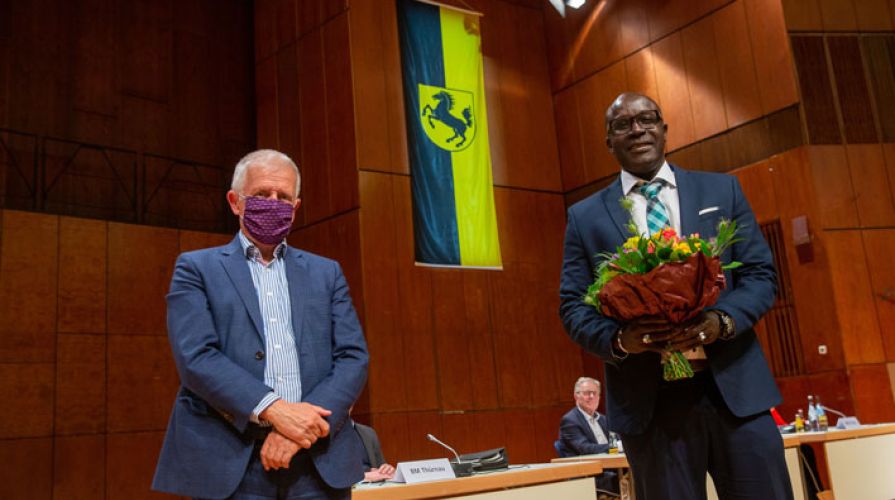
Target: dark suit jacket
pixel 596 224
pixel 576 436
pixel 374 457
pixel 216 333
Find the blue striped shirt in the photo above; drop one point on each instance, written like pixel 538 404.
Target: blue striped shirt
pixel 281 371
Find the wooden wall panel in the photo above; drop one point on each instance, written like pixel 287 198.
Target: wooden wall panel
pixel 448 325
pixel 817 92
pixel 80 396
pixel 874 401
pixel 288 101
pixel 594 96
pixel 736 66
pixel 378 97
pixel 873 198
pixel 852 89
pixel 830 175
pixel 757 182
pixel 838 15
pixel 26 389
pixel 773 59
pixel 140 265
pixel 877 56
pixel 569 139
pixel 873 15
pixel 267 135
pixel 82 271
pixel 130 464
pixel 809 266
pixel 703 78
pixel 79 467
pixel 854 298
pixel 641 74
pixel 141 373
pixel 340 138
pixel 27 458
pixel 479 339
pixel 889 154
pixel 671 78
pixel 28 288
pixel 802 15
pixel 879 245
pixel 524 152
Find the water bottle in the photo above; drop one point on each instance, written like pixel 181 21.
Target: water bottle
pixel 822 424
pixel 812 414
pixel 800 421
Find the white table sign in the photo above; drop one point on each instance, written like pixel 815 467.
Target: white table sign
pixel 421 471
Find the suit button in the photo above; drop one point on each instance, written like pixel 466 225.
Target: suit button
pixel 259 355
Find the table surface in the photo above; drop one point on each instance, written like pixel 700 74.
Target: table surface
pixel 515 477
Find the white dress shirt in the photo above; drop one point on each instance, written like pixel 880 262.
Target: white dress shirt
pixel 595 427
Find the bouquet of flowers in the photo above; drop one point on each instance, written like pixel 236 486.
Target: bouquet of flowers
pixel 663 275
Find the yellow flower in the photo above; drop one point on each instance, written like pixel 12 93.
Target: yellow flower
pixel 632 242
pixel 682 247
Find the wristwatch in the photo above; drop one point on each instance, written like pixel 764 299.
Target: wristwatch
pixel 728 329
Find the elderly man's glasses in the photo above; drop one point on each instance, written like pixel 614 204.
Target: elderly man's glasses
pixel 588 393
pixel 646 120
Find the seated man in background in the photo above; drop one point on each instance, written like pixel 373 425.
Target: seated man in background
pixel 375 466
pixel 583 431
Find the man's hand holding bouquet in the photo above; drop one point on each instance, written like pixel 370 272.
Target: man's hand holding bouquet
pixel 660 284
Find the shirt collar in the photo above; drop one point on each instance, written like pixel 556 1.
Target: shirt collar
pixel 588 417
pixel 630 181
pixel 251 251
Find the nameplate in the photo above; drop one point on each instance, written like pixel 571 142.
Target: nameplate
pixel 848 423
pixel 422 471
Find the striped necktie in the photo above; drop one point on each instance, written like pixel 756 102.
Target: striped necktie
pixel 656 213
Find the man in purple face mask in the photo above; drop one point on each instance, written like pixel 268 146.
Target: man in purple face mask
pixel 270 355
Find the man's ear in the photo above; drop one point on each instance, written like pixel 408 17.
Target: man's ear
pixel 609 145
pixel 233 201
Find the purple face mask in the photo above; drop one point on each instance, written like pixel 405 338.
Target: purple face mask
pixel 266 220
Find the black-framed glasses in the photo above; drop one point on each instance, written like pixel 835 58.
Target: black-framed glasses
pixel 646 119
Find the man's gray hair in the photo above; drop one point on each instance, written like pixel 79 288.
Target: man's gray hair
pixel 583 380
pixel 262 157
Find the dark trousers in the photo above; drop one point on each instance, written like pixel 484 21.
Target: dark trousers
pixel 693 432
pixel 299 482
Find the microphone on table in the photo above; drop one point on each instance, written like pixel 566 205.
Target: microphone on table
pixel 844 421
pixel 460 467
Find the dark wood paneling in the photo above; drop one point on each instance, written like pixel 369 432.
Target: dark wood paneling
pixel 266 104
pixel 29 468
pixel 130 463
pixel 703 78
pixel 873 15
pixel 80 397
pixel 878 54
pixel 852 290
pixel 838 15
pixel 832 181
pixel 736 66
pixel 265 29
pixel 640 72
pixel 674 97
pixel 285 19
pixel 26 389
pixel 312 111
pixel 809 270
pixel 448 324
pixel 28 287
pixel 773 59
pixel 817 92
pixel 852 89
pixel 873 197
pixel 79 466
pixel 142 383
pixel 879 245
pixel 140 265
pixel 569 139
pixel 288 115
pixel 480 341
pixel 340 137
pixel 872 388
pixel 802 15
pixel 82 271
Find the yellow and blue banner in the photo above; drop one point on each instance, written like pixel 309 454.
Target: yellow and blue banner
pixel 454 220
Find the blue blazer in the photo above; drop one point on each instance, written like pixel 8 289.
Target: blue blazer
pixel 738 366
pixel 216 333
pixel 576 437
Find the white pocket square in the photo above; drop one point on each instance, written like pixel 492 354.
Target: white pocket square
pixel 708 210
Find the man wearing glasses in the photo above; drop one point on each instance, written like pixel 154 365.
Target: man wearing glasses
pixel 270 355
pixel 583 431
pixel 718 420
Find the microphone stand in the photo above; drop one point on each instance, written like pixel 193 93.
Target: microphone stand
pixel 461 468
